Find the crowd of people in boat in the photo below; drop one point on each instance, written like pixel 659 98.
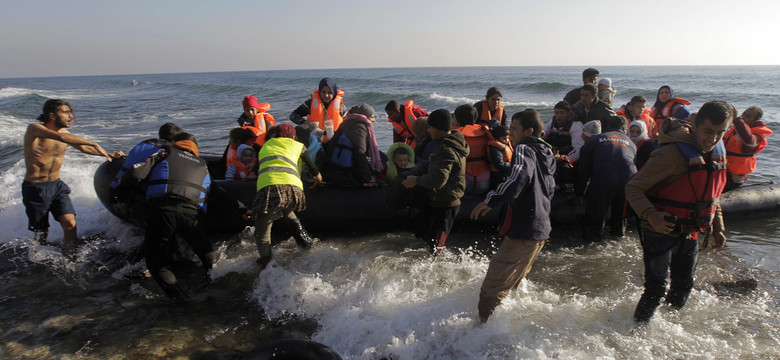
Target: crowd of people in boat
pixel 587 151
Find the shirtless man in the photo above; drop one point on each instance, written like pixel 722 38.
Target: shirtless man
pixel 42 189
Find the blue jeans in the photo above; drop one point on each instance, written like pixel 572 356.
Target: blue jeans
pixel 664 256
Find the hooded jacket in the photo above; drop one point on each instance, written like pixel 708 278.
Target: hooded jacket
pixel 665 166
pixel 528 189
pixel 444 175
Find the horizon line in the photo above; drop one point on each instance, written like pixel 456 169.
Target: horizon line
pixel 374 68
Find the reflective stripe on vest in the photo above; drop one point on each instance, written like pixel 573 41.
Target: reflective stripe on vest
pixel 278 165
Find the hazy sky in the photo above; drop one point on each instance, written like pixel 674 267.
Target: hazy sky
pixel 81 37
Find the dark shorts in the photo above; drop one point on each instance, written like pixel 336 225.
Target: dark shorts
pixel 41 198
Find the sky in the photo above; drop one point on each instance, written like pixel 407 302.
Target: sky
pixel 43 38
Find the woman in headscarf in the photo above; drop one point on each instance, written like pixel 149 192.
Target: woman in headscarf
pixel 325 108
pixel 667 105
pixel 353 159
pixel 280 189
pixel 637 131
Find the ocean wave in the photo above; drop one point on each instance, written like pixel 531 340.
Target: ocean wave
pixel 546 86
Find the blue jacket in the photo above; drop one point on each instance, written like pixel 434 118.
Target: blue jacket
pixel 607 160
pixel 139 154
pixel 528 188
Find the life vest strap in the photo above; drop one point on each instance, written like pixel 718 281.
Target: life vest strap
pixel 740 155
pixel 480 158
pixel 181 182
pixel 280 169
pixel 695 206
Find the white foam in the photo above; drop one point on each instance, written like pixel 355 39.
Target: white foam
pixel 379 297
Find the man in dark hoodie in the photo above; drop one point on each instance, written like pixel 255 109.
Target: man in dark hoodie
pixel 528 190
pixel 444 178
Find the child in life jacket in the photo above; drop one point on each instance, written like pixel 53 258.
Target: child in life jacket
pixel 499 155
pixel 401 158
pixel 246 167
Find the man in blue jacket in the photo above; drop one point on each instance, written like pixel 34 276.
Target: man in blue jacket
pixel 528 189
pixel 607 160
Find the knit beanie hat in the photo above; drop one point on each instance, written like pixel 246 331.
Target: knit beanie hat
pixel 440 119
pixel 250 101
pixel 362 109
pixel 592 128
pixel 466 115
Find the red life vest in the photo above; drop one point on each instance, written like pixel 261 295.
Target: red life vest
pixel 485 115
pixel 738 162
pixel 506 149
pixel 477 137
pixel 404 128
pixel 330 120
pixel 694 197
pixel 667 110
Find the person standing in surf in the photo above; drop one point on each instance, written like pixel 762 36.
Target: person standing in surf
pixel 42 190
pixel 444 179
pixel 528 190
pixel 675 194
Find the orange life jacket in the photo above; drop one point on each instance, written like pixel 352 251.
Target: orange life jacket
pixel 259 126
pixel 738 162
pixel 505 148
pixel 485 115
pixel 649 121
pixel 667 110
pixel 694 197
pixel 477 137
pixel 242 171
pixel 330 120
pixel 404 128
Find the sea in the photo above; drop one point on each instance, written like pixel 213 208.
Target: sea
pixel 365 295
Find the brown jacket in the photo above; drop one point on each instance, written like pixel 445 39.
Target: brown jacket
pixel 665 166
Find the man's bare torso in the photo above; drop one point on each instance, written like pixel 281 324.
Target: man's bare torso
pixel 43 157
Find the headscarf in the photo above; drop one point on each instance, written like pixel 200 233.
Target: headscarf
pixel 331 85
pixel 643 127
pixel 285 130
pixel 659 105
pixel 373 149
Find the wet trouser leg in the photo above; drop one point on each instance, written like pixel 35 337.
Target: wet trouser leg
pixel 660 252
pixel 263 225
pixel 597 205
pixel 617 219
pixel 158 248
pixel 682 270
pixel 507 269
pixel 195 235
pixel 435 225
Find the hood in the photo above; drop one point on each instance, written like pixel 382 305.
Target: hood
pixel 675 130
pixel 456 141
pixel 394 147
pixel 543 151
